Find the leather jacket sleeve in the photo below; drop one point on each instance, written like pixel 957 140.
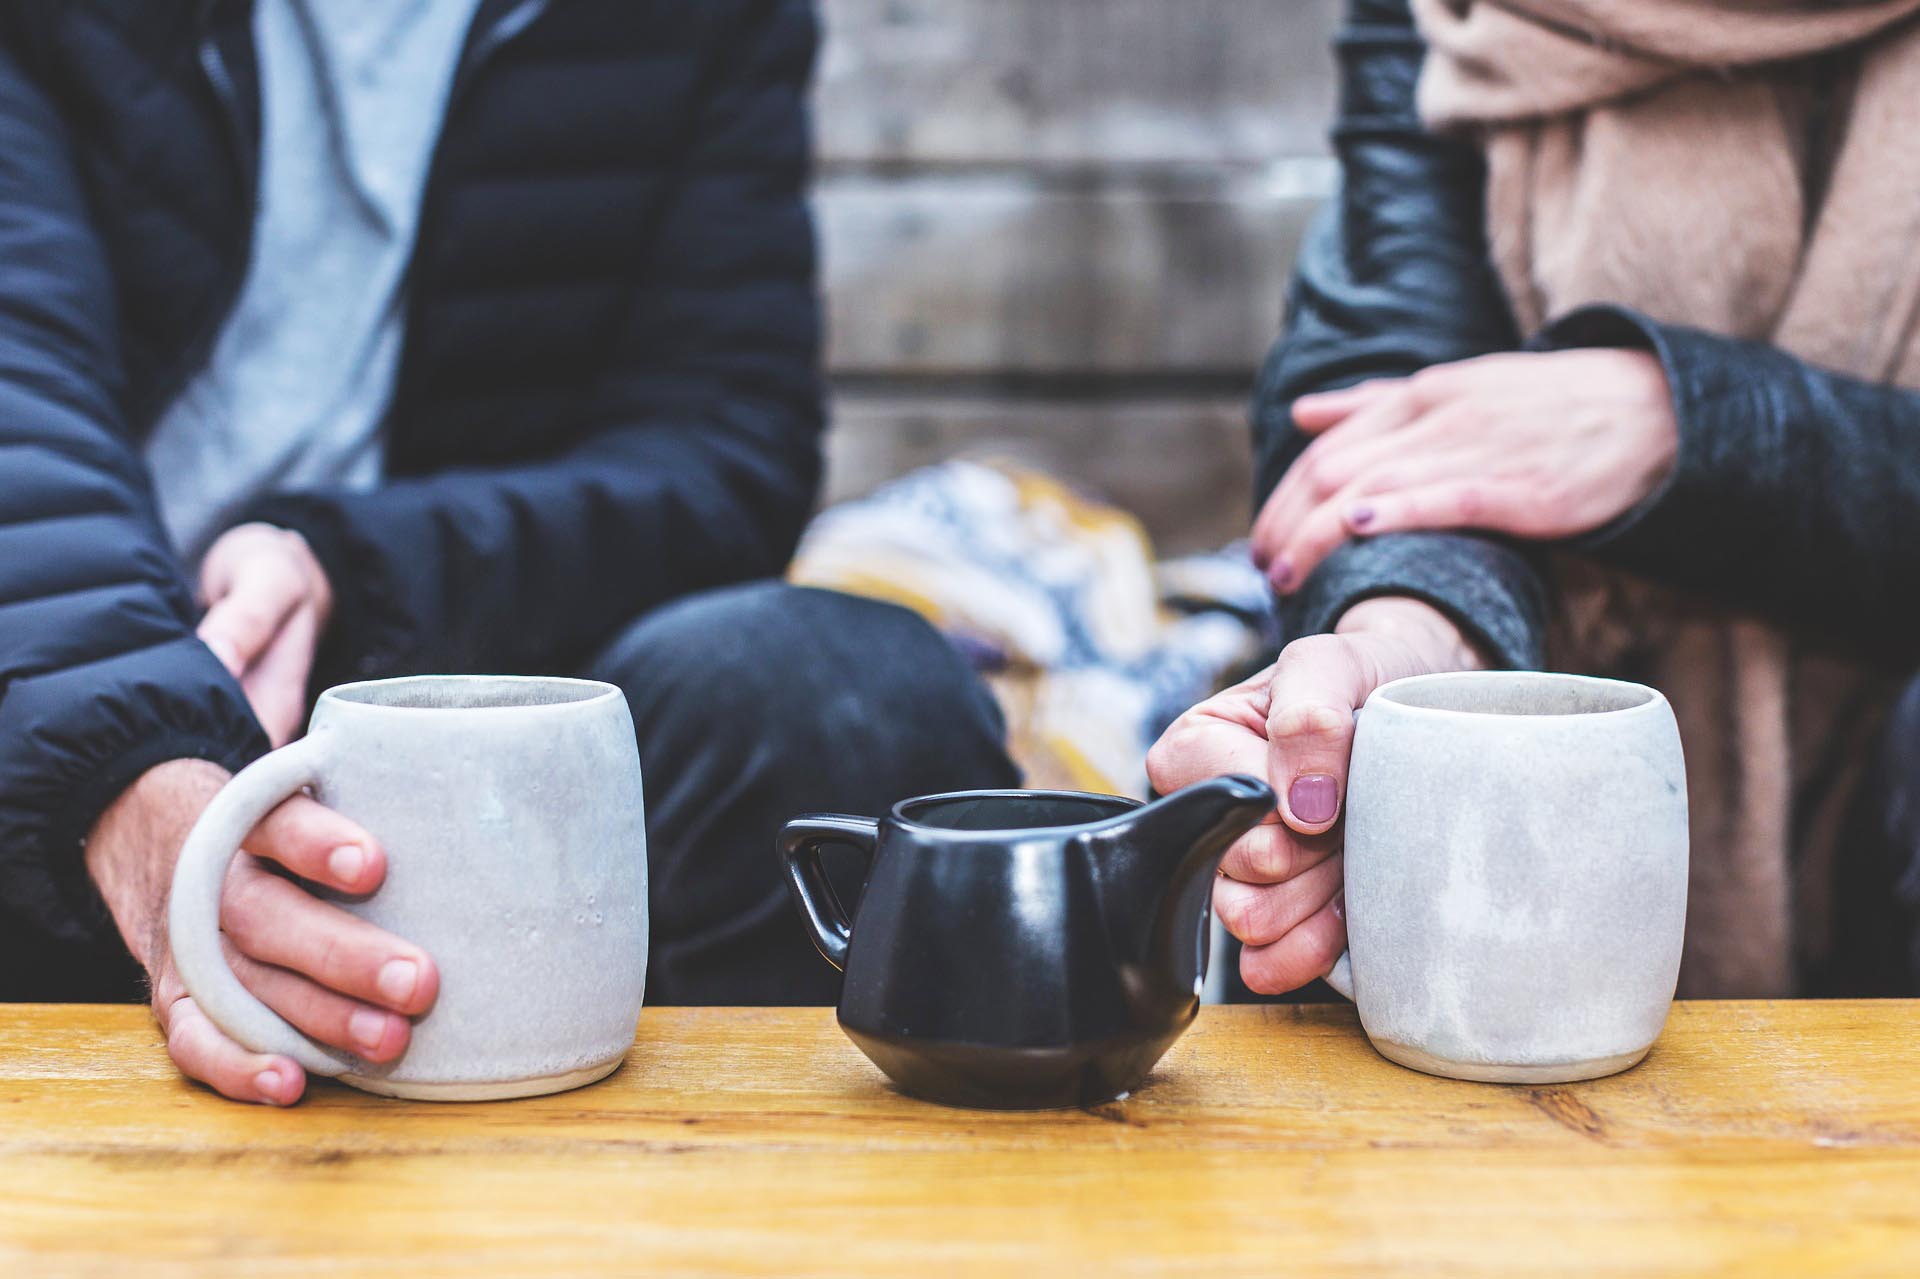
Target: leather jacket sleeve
pixel 1796 491
pixel 1394 276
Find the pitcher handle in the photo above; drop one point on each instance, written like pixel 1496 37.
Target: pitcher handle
pixel 193 909
pixel 799 844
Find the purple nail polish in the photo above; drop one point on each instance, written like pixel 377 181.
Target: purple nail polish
pixel 1360 516
pixel 1281 574
pixel 1313 798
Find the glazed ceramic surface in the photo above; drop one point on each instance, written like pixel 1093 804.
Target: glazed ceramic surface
pixel 1516 873
pixel 1023 949
pixel 511 813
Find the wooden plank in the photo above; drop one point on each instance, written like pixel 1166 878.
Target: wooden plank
pixel 1075 82
pixel 1181 465
pixel 988 274
pixel 1757 1139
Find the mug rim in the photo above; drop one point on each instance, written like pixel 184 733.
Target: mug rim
pixel 1652 698
pixel 592 693
pixel 1125 805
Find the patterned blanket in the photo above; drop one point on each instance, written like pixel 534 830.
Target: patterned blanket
pixel 1090 645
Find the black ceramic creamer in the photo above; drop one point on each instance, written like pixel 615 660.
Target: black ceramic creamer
pixel 1023 949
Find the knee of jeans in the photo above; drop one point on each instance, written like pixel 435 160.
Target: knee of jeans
pixel 768 660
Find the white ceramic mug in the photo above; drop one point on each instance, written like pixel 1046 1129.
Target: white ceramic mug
pixel 510 811
pixel 1516 874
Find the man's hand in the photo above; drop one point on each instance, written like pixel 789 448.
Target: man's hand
pixel 1536 444
pixel 268 601
pixel 336 977
pixel 1279 891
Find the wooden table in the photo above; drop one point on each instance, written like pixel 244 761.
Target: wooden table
pixel 1757 1139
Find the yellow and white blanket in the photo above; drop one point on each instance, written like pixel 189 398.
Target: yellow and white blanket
pixel 1091 647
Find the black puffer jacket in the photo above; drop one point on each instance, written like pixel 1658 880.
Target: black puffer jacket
pixel 608 395
pixel 1797 490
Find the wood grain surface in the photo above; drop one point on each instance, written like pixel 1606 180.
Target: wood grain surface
pixel 981 276
pixel 1035 211
pixel 1756 1140
pixel 1072 83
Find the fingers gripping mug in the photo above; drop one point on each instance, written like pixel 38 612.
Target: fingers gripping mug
pixel 511 813
pixel 1516 874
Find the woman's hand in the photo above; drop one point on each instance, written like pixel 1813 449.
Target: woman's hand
pixel 1279 890
pixel 1537 445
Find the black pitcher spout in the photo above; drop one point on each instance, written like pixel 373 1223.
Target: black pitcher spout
pixel 1190 830
pixel 1201 821
pixel 1157 877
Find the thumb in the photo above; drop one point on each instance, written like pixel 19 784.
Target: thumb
pixel 1318 683
pixel 244 621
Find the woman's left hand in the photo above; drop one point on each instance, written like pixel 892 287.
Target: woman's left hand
pixel 1534 444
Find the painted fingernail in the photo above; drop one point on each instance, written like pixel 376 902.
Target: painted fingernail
pixel 1281 573
pixel 1314 798
pixel 1340 907
pixel 367 1028
pixel 270 1084
pixel 1260 558
pixel 346 862
pixel 397 979
pixel 1360 516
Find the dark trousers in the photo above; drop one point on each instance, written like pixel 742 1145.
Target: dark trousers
pixel 754 704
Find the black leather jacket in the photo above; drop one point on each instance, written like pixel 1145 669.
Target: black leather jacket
pixel 1796 492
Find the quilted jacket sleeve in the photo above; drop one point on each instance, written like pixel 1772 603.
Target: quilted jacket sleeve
pixel 706 460
pixel 1394 276
pixel 100 674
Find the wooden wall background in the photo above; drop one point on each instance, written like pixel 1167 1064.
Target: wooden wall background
pixel 1059 230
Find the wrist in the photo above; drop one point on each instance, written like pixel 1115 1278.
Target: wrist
pixel 1434 639
pixel 132 847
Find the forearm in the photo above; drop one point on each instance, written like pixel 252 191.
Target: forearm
pixel 132 848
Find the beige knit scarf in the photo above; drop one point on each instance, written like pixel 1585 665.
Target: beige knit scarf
pixel 1664 154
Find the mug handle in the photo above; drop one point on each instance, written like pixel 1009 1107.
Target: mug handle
pixel 1340 976
pixel 800 841
pixel 193 910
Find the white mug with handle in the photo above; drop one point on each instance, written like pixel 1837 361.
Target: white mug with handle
pixel 511 813
pixel 1516 874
